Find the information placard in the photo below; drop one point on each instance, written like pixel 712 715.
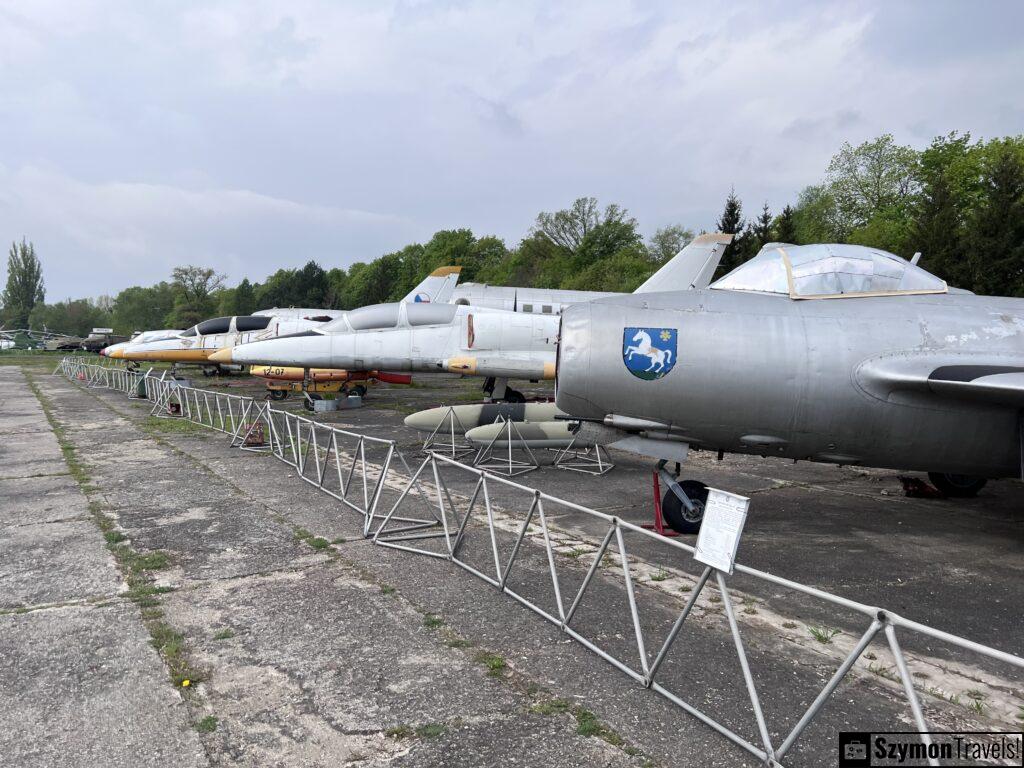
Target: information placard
pixel 724 516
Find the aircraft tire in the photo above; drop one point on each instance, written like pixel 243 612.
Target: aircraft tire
pixel 957 486
pixel 209 371
pixel 678 517
pixel 358 389
pixel 278 394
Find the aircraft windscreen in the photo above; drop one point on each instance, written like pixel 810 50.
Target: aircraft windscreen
pixel 829 272
pixel 430 314
pixel 251 322
pixel 374 316
pixel 216 325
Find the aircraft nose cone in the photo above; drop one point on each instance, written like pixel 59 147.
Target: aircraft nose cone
pixel 116 354
pixel 221 356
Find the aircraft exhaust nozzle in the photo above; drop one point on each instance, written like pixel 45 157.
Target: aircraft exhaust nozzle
pixel 573 375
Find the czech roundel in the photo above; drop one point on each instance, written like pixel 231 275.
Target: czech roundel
pixel 422 298
pixel 649 353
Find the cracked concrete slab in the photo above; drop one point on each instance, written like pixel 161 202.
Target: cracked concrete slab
pixel 54 562
pixel 25 500
pixel 80 686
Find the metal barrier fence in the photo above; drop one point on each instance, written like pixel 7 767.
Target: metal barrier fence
pixel 355 468
pixel 351 467
pixel 559 608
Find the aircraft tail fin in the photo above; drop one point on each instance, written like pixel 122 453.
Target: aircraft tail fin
pixel 437 287
pixel 692 267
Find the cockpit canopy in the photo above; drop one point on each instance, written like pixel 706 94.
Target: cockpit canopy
pixel 382 316
pixel 829 271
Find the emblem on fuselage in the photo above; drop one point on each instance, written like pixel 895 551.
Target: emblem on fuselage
pixel 649 353
pixel 422 298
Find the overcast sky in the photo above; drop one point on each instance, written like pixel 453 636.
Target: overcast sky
pixel 250 135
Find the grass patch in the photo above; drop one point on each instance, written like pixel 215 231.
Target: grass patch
pixel 431 730
pixel 339 540
pixel 402 731
pixel 431 621
pixel 551 707
pixel 207 725
pixel 114 537
pixel 495 664
pixel 823 634
pixel 457 642
pixel 387 589
pixel 318 542
pixel 660 576
pixel 171 426
pixel 789 624
pixel 587 724
pixel 224 634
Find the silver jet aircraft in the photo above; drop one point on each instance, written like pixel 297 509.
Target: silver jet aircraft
pixel 459 338
pixel 831 353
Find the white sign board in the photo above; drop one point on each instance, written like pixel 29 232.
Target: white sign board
pixel 719 537
pixel 102 330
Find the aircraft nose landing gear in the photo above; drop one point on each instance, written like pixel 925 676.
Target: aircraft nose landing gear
pixel 679 516
pixel 683 502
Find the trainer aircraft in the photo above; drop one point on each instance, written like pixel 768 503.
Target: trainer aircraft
pixel 497 344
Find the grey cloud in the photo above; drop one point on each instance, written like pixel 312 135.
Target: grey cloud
pixel 250 137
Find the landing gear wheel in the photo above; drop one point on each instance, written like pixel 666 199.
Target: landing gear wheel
pixel 514 396
pixel 278 394
pixel 358 389
pixel 209 370
pixel 679 518
pixel 957 486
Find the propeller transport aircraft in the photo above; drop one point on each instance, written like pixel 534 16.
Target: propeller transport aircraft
pixel 830 353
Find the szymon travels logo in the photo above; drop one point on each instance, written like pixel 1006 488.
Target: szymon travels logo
pixel 859 749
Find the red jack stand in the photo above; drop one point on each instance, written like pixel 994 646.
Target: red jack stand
pixel 659 522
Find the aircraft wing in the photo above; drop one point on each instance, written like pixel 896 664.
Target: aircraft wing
pixel 437 287
pixel 997 381
pixel 692 267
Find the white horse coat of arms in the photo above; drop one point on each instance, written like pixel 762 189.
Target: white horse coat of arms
pixel 649 353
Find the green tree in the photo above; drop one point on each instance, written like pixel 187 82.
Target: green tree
pixel 24 284
pixel 994 235
pixel 77 317
pixel 761 230
pixel 731 222
pixel 142 309
pixel 623 271
pixel 568 228
pixel 245 298
pixel 666 242
pixel 875 179
pixel 785 226
pixel 194 289
pixel 815 218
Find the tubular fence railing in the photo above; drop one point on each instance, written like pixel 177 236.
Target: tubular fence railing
pixel 486 540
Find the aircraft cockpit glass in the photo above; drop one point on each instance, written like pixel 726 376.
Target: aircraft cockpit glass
pixel 430 314
pixel 252 322
pixel 191 331
pixel 829 272
pixel 216 325
pixel 374 316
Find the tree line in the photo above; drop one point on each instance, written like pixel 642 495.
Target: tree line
pixel 959 202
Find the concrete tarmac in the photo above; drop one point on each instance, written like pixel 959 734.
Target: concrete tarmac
pixel 310 646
